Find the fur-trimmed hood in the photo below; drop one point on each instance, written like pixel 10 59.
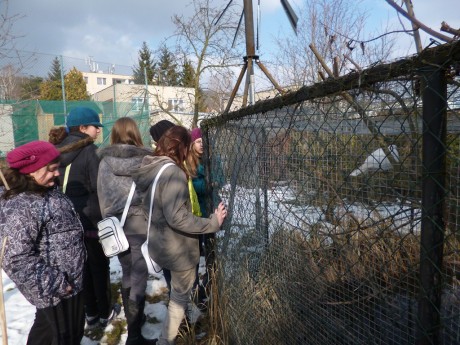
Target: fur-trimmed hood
pixel 72 145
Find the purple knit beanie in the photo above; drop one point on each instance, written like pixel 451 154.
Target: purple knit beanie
pixel 32 156
pixel 195 134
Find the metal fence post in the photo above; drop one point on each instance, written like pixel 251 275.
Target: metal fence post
pixel 433 201
pixel 63 88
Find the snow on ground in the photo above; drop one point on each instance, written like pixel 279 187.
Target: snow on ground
pixel 20 313
pixel 283 209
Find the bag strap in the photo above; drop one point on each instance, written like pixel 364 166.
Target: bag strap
pixel 128 203
pixel 66 178
pixel 152 195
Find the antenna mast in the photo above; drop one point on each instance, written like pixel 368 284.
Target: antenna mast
pixel 251 57
pixel 249 89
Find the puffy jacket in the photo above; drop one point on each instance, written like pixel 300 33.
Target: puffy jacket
pixel 114 179
pixel 174 231
pixel 45 252
pixel 79 149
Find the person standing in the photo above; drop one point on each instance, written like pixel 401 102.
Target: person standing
pixel 80 163
pixel 159 128
pixel 45 252
pixel 173 238
pixel 157 131
pixel 199 180
pixel 114 182
pixel 200 187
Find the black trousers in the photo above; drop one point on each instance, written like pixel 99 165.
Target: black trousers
pixel 62 324
pixel 96 282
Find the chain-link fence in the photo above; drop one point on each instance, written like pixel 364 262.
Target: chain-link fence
pixel 343 202
pixel 24 121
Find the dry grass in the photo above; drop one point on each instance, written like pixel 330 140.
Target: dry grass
pixel 320 287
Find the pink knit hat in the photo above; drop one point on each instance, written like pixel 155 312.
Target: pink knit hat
pixel 32 156
pixel 195 134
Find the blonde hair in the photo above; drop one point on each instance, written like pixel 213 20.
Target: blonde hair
pixel 126 131
pixel 193 160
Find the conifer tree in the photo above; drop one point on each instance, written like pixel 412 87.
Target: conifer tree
pixel 75 86
pixel 187 75
pixel 55 72
pixel 145 60
pixel 166 71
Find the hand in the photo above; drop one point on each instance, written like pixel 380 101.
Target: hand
pixel 221 213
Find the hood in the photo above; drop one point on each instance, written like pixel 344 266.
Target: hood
pixel 123 158
pixel 72 145
pixel 149 168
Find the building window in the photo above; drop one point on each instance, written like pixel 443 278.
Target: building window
pixel 86 80
pixel 101 81
pixel 137 103
pixel 175 104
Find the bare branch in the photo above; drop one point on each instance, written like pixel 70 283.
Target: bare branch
pixel 347 57
pixel 418 23
pixel 410 11
pixel 446 28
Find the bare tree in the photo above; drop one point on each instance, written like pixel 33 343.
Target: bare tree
pixel 9 88
pixel 206 38
pixel 7 37
pixel 336 28
pixel 13 62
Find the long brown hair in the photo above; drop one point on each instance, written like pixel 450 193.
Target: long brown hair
pixel 126 131
pixel 175 144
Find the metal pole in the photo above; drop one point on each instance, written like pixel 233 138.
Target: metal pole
pixel 2 300
pixel 237 85
pixel 146 90
pixel 250 47
pixel 63 86
pixel 433 201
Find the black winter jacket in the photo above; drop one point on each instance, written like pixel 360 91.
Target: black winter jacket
pixel 79 149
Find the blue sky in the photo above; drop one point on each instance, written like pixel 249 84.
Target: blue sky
pixel 113 32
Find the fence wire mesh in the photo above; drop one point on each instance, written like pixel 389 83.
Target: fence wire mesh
pixel 24 116
pixel 343 202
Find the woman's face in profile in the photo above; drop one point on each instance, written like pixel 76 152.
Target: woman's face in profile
pixel 198 146
pixel 92 131
pixel 46 175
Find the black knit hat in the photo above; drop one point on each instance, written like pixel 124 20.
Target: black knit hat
pixel 159 128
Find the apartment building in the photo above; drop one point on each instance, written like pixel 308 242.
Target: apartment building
pixel 173 103
pixel 97 81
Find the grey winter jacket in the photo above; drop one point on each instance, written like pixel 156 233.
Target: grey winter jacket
pixel 174 231
pixel 114 179
pixel 45 252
